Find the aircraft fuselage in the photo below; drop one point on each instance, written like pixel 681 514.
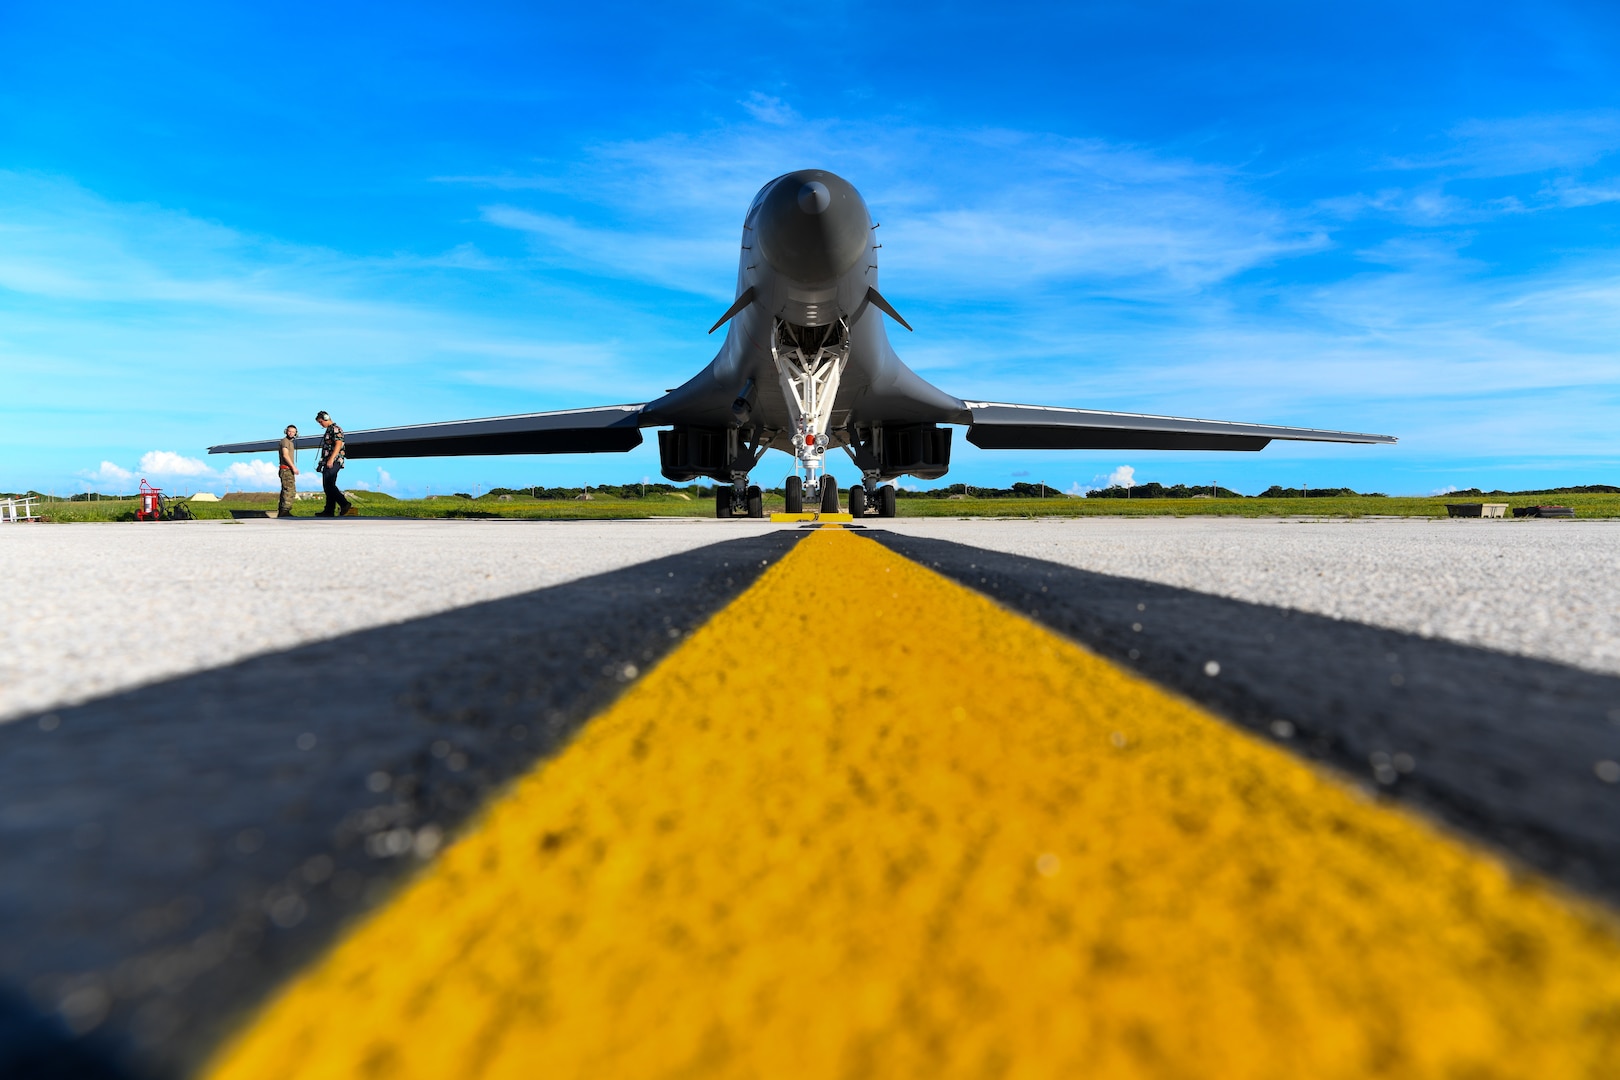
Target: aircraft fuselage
pixel 808 260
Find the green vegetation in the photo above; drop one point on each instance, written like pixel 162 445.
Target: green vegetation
pixel 669 501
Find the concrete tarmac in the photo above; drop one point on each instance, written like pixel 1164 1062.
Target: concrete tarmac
pixel 109 607
pixel 100 608
pixel 1543 589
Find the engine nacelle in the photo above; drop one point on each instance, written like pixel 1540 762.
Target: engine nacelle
pixel 686 453
pixel 920 450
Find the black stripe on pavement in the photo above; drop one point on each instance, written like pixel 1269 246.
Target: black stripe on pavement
pixel 1500 747
pixel 173 852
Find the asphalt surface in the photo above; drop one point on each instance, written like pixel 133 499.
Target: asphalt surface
pixel 98 608
pixel 277 722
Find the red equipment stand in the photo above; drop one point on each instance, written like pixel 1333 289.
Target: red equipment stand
pixel 150 507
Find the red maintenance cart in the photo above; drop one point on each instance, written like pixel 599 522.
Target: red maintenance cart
pixel 151 508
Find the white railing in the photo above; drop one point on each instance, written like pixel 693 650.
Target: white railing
pixel 15 510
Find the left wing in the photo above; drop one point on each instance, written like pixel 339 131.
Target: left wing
pixel 996 426
pixel 607 429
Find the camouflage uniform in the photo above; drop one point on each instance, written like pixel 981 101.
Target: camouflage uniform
pixel 289 481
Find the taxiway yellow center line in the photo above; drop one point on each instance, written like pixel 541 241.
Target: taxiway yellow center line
pixel 867 823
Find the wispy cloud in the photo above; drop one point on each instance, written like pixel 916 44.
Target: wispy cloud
pixel 770 110
pixel 1013 208
pixel 1517 146
pixel 111 307
pixel 682 262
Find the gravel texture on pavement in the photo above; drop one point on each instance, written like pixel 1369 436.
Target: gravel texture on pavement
pixel 1546 589
pixel 98 608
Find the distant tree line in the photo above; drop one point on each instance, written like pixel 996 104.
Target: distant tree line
pixel 1156 490
pixel 617 491
pixel 1588 489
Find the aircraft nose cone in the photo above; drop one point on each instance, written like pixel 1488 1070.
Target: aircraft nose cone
pixel 814 197
pixel 812 225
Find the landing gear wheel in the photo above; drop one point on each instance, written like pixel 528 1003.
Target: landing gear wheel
pixel 829 495
pixel 756 503
pixel 857 500
pixel 885 501
pixel 722 500
pixel 795 495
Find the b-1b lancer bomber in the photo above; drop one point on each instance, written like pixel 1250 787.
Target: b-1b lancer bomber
pixel 807 368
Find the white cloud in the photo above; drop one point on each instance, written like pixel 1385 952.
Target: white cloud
pixel 111 474
pixel 168 463
pixel 258 472
pixel 1124 476
pixel 166 467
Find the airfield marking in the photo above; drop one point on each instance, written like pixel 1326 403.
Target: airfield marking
pixel 867 822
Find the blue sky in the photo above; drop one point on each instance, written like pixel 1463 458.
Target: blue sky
pixel 1383 217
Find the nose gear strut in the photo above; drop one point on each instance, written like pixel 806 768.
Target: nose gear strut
pixel 810 362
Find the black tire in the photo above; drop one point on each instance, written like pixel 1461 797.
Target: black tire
pixel 829 495
pixel 885 501
pixel 795 495
pixel 722 500
pixel 756 503
pixel 857 500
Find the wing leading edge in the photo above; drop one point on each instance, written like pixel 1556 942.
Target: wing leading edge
pixel 998 426
pixel 607 429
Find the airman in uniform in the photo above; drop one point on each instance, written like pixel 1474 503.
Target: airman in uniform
pixel 288 472
pixel 337 504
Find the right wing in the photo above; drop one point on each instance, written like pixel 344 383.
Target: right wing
pixel 606 429
pixel 996 426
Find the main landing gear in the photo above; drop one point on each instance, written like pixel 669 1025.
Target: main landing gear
pixel 880 500
pixel 735 500
pixel 730 500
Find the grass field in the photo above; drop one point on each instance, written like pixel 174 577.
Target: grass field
pixel 660 505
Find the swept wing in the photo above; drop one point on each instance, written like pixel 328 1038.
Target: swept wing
pixel 1000 426
pixel 605 429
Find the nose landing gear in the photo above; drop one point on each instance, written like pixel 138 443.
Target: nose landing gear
pixel 829 495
